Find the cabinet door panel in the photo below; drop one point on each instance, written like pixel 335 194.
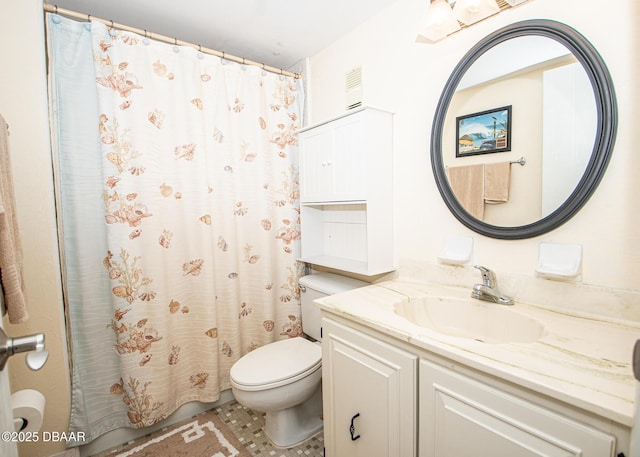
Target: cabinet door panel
pixel 462 416
pixel 348 166
pixel 370 385
pixel 333 159
pixel 363 383
pixel 315 151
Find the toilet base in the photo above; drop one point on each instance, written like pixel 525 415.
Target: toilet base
pixel 291 426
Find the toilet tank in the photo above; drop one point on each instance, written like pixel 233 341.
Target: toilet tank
pixel 315 286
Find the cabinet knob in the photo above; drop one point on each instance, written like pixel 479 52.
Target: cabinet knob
pixel 352 428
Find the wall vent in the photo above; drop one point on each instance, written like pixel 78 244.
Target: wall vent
pixel 353 88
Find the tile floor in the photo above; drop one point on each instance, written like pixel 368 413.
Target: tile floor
pixel 247 426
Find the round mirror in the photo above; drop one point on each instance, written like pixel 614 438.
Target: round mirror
pixel 524 130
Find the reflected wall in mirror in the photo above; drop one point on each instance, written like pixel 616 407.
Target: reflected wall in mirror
pixel 562 122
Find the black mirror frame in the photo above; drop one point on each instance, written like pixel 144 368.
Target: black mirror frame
pixel 607 123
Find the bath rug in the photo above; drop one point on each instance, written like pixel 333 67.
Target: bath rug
pixel 201 436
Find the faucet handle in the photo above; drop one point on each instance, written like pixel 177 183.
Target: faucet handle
pixel 488 276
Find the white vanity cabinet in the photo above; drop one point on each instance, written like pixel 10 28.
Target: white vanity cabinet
pixel 346 200
pixel 406 401
pixel 369 391
pixel 462 416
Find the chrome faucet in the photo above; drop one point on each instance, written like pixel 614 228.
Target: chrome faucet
pixel 488 290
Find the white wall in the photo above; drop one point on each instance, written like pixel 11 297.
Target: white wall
pixel 407 78
pixel 23 103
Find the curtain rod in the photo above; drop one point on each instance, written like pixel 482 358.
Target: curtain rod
pixel 50 8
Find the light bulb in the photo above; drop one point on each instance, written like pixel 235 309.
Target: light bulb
pixel 470 11
pixel 438 21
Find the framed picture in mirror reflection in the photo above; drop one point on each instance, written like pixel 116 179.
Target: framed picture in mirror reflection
pixel 484 132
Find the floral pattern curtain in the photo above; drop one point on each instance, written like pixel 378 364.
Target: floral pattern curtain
pixel 177 185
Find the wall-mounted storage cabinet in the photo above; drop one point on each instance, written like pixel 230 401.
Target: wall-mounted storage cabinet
pixel 346 192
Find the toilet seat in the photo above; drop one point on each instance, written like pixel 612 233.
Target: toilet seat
pixel 276 364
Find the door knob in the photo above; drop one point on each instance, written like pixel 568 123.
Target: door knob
pixel 9 346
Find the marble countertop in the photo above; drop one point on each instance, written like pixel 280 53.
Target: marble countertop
pixel 584 361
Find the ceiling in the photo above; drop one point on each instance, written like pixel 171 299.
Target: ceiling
pixel 274 32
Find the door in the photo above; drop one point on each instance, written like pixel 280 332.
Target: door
pixel 635 431
pixel 567 102
pixel 369 395
pixel 7 447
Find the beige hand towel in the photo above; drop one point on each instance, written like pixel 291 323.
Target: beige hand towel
pixel 10 249
pixel 467 182
pixel 497 180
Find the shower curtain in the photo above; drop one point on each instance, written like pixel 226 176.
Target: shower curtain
pixel 178 203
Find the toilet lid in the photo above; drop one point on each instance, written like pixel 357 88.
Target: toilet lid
pixel 276 362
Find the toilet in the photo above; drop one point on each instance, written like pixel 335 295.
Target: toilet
pixel 283 378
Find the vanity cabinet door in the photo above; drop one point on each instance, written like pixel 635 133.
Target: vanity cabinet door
pixel 460 416
pixel 368 394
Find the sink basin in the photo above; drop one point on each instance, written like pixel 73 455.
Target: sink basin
pixel 468 318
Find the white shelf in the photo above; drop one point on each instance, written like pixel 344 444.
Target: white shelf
pixel 559 261
pixel 339 236
pixel 340 263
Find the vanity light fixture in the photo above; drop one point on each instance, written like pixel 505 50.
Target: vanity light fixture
pixel 472 11
pixel 445 17
pixel 438 21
